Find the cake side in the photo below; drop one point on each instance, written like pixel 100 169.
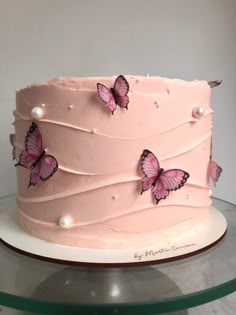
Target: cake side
pixel 98 181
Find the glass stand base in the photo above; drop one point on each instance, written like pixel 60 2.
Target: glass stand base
pixel 12 235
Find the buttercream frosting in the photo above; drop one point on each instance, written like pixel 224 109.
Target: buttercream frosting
pixel 98 181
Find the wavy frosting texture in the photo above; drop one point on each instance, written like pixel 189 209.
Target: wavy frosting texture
pixel 98 181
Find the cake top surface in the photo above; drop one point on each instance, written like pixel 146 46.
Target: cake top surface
pixel 77 83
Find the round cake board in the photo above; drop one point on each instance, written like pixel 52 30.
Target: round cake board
pixel 12 235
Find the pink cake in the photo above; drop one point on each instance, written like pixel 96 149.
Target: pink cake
pixel 91 196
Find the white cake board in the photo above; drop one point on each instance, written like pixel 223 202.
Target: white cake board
pixel 13 235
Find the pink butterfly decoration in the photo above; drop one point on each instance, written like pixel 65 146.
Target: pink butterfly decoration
pixel 214 83
pixel 116 95
pixel 161 182
pixel 214 171
pixel 13 143
pixel 42 166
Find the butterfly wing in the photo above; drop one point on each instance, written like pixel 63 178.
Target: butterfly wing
pixel 214 171
pixel 43 170
pixel 213 84
pixel 26 160
pixel 159 191
pixel 150 167
pixel 122 101
pixel 33 147
pixel 13 143
pixel 33 141
pixel 121 89
pixel 34 174
pixel 168 181
pixel 106 97
pixel 49 166
pixel 12 137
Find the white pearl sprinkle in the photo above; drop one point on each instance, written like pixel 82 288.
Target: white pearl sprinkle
pixel 71 106
pixel 210 192
pixel 37 113
pixel 93 131
pixel 147 74
pixel 43 105
pixel 64 222
pixel 114 197
pixel 198 112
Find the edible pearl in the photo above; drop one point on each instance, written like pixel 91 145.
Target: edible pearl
pixel 37 113
pixel 114 197
pixel 43 105
pixel 64 222
pixel 198 112
pixel 71 106
pixel 93 131
pixel 147 74
pixel 210 192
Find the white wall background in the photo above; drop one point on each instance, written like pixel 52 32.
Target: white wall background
pixel 189 39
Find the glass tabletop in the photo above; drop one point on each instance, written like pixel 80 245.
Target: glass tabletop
pixel 43 287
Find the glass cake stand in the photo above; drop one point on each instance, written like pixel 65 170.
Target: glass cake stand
pixel 42 287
